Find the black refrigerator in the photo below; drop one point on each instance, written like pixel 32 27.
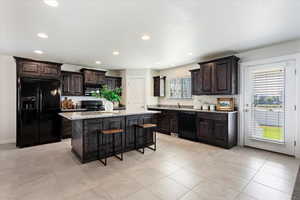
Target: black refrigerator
pixel 38 108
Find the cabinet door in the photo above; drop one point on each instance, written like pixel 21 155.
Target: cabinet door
pixel 196 82
pixel 204 129
pixel 156 82
pixel 90 77
pixel 29 69
pixel 222 77
pixel 50 70
pixel 66 129
pixel 77 84
pixel 66 84
pixel 206 78
pixel 118 82
pixel 100 78
pixel 90 137
pixel 221 133
pixel 173 122
pixel 164 123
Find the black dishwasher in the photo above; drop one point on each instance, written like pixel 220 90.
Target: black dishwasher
pixel 187 125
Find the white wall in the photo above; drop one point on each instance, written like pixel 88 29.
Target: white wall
pixel 281 49
pixel 145 73
pixel 7 100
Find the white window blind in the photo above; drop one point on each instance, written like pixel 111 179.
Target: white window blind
pixel 268 105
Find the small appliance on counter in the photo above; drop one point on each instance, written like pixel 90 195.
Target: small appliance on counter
pixel 212 107
pixel 93 105
pixel 205 107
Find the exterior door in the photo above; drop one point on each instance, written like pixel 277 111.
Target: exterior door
pixel 270 100
pixel 136 93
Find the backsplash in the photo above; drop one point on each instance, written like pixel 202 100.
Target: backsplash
pixel 77 99
pixel 200 100
pixel 197 101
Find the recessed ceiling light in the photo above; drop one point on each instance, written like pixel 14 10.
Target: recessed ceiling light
pixel 116 53
pixel 98 62
pixel 53 3
pixel 146 37
pixel 38 51
pixel 190 53
pixel 42 35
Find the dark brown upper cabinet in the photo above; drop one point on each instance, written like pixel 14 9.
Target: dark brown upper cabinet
pixel 93 77
pixel 113 82
pixel 216 77
pixel 196 78
pixel 40 69
pixel 72 84
pixel 159 86
pixel 206 72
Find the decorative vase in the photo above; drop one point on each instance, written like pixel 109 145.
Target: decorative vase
pixel 108 106
pixel 116 104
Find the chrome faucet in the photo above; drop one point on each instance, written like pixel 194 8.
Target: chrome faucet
pixel 178 104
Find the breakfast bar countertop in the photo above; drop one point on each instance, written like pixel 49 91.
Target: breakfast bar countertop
pixel 103 114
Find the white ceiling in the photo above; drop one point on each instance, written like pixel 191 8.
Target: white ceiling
pixel 84 31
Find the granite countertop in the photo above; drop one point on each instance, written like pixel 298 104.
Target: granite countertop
pixel 102 114
pixel 73 110
pixel 185 108
pixel 84 109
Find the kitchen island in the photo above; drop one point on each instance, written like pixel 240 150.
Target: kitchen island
pixel 87 125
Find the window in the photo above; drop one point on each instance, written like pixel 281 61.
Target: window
pixel 268 92
pixel 180 88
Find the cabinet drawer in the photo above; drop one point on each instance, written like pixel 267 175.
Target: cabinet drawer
pixel 48 70
pixel 29 69
pixel 213 116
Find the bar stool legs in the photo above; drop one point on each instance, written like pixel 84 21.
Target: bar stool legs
pixel 122 149
pixel 154 141
pixel 104 144
pixel 105 152
pixel 145 129
pixel 135 142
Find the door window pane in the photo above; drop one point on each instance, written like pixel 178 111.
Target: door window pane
pixel 268 105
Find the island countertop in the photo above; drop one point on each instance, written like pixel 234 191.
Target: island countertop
pixel 102 114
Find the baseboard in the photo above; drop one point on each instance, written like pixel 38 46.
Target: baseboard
pixel 8 141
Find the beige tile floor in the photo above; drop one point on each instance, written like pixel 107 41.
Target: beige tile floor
pixel 179 169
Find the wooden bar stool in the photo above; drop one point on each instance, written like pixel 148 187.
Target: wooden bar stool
pixel 144 128
pixel 104 134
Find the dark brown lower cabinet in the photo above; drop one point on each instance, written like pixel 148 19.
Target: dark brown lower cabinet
pixel 66 128
pixel 217 129
pixel 168 122
pixel 85 132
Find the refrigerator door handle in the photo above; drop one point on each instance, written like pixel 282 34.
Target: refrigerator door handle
pixel 40 100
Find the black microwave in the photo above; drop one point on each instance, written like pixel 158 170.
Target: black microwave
pixel 90 89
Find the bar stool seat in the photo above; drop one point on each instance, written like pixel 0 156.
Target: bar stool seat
pixel 111 132
pixel 144 127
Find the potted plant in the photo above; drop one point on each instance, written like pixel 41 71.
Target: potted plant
pixel 113 96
